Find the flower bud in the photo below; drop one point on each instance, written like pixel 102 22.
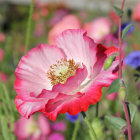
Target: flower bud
pixel 109 62
pixel 121 137
pixel 98 127
pixel 122 92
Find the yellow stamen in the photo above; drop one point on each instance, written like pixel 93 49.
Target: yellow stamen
pixel 61 71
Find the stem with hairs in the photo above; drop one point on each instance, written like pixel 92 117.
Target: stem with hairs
pixel 120 74
pixel 91 130
pixel 76 128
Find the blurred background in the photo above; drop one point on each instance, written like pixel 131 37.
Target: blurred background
pixel 51 17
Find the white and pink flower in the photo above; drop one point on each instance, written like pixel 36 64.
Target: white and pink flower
pixel 64 78
pixel 68 22
pixel 31 128
pixel 37 129
pixel 98 29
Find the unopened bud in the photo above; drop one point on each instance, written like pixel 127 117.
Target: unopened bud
pixel 122 93
pixel 109 62
pixel 98 127
pixel 121 137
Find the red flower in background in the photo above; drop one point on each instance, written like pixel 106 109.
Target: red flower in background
pixel 136 13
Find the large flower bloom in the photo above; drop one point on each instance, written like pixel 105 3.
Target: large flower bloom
pixel 64 78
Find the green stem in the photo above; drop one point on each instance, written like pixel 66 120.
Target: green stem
pixel 91 130
pixel 76 128
pixel 97 109
pixel 28 33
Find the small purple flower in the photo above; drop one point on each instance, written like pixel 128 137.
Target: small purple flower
pixel 133 59
pixel 72 118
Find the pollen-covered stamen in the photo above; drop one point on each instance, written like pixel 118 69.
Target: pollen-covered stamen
pixel 61 71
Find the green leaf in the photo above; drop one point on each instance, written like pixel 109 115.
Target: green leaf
pixel 4 128
pixel 114 87
pixel 116 122
pixel 132 109
pixel 126 29
pixel 118 11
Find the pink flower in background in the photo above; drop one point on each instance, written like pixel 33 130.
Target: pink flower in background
pixel 114 17
pixel 35 16
pixel 39 29
pixel 136 13
pixel 112 96
pixel 64 78
pixel 2 37
pixel 31 128
pixel 35 129
pixel 59 126
pixel 1 54
pixel 56 136
pixel 3 77
pixel 44 11
pixel 98 29
pixel 58 15
pixel 68 22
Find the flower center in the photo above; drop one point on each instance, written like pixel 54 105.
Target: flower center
pixel 32 127
pixel 61 71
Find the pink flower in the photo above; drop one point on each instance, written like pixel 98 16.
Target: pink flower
pixel 2 37
pixel 98 28
pixel 3 77
pixel 1 54
pixel 56 136
pixel 114 17
pixel 31 128
pixel 36 16
pixel 136 13
pixel 39 29
pixel 58 15
pixel 59 126
pixel 68 22
pixel 44 11
pixel 64 78
pixel 112 96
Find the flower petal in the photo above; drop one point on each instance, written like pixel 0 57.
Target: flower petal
pixel 26 107
pixel 31 73
pixel 78 46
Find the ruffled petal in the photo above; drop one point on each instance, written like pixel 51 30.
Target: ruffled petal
pixel 31 73
pixel 27 107
pixel 78 46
